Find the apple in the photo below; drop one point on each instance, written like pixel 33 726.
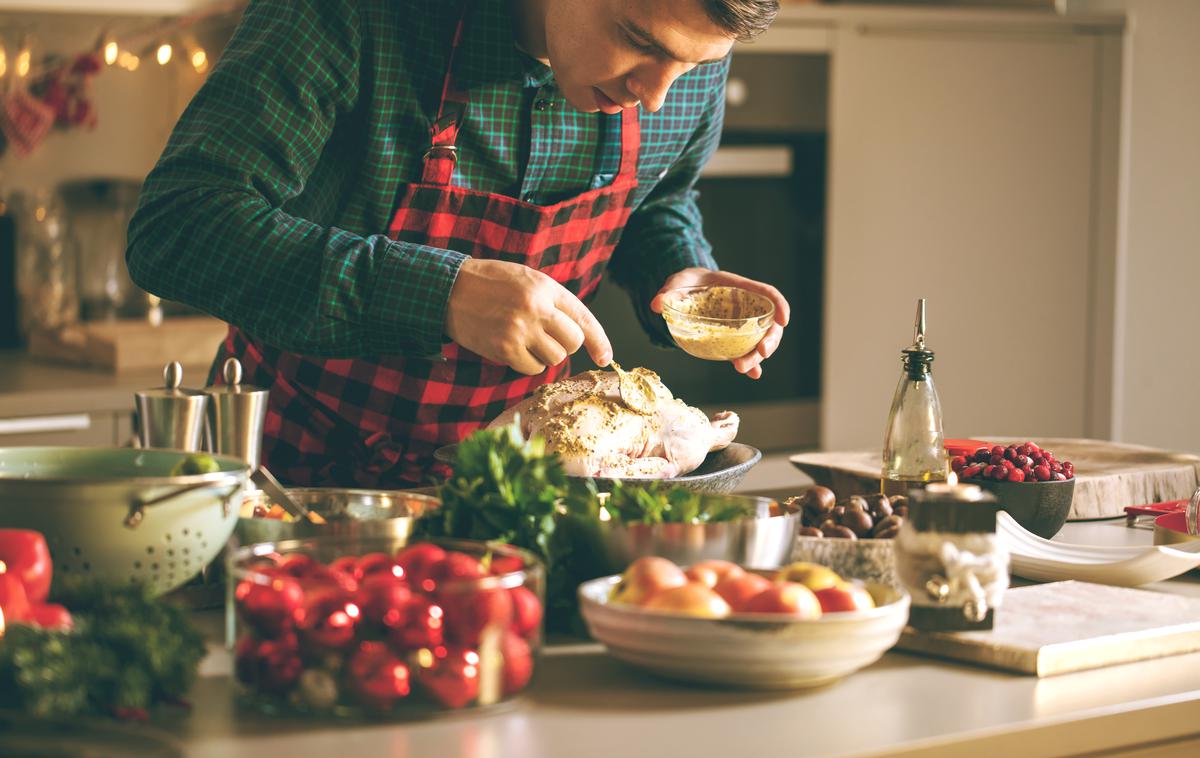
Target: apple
pixel 738 589
pixel 691 599
pixel 646 577
pixel 712 571
pixel 811 575
pixel 788 598
pixel 844 596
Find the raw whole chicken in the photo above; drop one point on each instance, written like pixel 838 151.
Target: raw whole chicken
pixel 620 424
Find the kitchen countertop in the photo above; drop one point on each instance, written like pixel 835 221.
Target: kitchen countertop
pixel 585 704
pixel 34 387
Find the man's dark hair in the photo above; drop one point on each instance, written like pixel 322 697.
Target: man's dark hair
pixel 745 19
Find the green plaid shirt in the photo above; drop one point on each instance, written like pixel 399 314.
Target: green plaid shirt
pixel 269 205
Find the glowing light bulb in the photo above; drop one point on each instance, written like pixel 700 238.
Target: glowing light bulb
pixel 200 61
pixel 163 54
pixel 24 59
pixel 111 52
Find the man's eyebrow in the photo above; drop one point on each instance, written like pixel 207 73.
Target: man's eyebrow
pixel 660 48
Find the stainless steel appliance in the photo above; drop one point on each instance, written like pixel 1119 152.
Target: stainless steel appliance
pixel 763 200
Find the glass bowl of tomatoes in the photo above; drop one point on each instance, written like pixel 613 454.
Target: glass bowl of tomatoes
pixel 383 627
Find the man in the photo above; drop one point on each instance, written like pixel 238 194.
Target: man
pixel 401 206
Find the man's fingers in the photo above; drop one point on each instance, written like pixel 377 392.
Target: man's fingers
pixel 770 342
pixel 548 351
pixel 563 330
pixel 594 338
pixel 527 363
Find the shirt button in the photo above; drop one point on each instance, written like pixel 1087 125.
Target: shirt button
pixel 543 104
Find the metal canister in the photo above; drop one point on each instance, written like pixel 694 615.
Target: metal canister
pixel 236 413
pixel 170 416
pixel 950 559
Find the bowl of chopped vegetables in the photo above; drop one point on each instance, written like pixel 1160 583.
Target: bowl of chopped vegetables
pixel 688 527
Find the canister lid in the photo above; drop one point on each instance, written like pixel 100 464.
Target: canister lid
pixel 956 509
pixel 231 372
pixel 172 378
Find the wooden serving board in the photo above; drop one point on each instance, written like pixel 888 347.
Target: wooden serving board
pixel 128 345
pixel 1109 475
pixel 1048 629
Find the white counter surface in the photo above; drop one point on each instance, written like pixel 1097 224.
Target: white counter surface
pixel 584 704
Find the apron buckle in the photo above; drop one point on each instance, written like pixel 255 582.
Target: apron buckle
pixel 447 151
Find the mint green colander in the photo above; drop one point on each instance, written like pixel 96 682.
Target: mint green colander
pixel 118 514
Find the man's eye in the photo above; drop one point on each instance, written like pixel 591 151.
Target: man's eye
pixel 633 42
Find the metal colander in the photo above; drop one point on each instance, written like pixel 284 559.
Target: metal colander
pixel 118 514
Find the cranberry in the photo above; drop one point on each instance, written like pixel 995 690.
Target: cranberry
pixel 1010 453
pixel 1023 460
pixel 1056 467
pixel 1007 464
pixel 1042 473
pixel 1060 476
pixel 970 472
pixel 1016 475
pixel 957 463
pixel 1068 468
pixel 982 454
pixel 997 450
pixel 1023 449
pixel 995 459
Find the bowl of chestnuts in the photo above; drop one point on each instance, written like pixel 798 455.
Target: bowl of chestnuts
pixel 854 535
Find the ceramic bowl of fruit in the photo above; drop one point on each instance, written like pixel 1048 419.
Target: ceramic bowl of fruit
pixel 375 628
pixel 1028 481
pixel 717 623
pixel 854 536
pixel 345 512
pixel 717 323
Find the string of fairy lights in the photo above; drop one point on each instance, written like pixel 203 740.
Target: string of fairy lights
pixel 163 43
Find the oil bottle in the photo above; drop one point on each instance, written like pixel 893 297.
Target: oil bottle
pixel 913 447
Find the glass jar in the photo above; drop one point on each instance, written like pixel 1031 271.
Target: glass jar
pixel 46 274
pixel 371 627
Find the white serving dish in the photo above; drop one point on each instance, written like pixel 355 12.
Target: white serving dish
pixel 1044 560
pixel 756 651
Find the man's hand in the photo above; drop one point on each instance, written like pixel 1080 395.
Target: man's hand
pixel 518 316
pixel 750 363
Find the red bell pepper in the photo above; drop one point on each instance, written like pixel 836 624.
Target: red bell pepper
pixel 13 601
pixel 25 553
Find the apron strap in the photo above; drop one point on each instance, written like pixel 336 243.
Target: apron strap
pixel 631 142
pixel 442 154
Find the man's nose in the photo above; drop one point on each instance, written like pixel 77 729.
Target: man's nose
pixel 650 84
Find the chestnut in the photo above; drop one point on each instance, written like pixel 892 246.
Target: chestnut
pixel 810 531
pixel 887 528
pixel 840 531
pixel 859 522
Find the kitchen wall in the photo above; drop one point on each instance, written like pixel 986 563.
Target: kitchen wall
pixel 1156 349
pixel 136 110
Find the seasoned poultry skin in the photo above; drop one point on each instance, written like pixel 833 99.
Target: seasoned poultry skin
pixel 605 425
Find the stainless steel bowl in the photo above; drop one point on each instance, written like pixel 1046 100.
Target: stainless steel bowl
pixel 347 512
pixel 762 541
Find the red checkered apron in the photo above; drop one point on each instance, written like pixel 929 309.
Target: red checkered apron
pixel 375 422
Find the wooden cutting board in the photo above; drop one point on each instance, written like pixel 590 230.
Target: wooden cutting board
pixel 128 345
pixel 1055 628
pixel 1109 475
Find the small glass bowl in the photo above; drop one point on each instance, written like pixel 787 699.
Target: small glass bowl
pixel 717 323
pixel 374 628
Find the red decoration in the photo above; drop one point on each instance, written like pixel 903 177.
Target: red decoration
pixel 268 665
pixel 377 676
pixel 469 613
pixel 25 553
pixel 420 623
pixel 449 675
pixel 527 611
pixel 518 663
pixel 270 608
pixel 380 593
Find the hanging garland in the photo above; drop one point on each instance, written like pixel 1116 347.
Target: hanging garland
pixel 57 93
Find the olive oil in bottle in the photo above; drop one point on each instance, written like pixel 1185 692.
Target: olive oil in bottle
pixel 913 447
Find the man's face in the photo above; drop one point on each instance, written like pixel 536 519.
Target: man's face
pixel 613 54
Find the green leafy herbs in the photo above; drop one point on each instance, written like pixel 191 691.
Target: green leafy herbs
pixel 127 652
pixel 669 504
pixel 508 489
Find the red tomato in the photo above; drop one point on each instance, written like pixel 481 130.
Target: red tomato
pixel 25 553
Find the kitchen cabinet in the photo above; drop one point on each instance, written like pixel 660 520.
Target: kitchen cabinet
pixel 971 163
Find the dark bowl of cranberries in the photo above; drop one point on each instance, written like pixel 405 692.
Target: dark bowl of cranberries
pixel 1029 482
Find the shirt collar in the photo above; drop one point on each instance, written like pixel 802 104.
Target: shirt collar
pixel 489 53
